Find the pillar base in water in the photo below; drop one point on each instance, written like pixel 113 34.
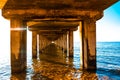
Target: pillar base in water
pixel 18 46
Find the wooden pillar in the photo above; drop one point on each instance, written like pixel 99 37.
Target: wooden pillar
pixel 18 45
pixel 34 44
pixel 71 43
pixel 88 38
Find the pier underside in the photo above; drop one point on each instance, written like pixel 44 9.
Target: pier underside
pixel 52 21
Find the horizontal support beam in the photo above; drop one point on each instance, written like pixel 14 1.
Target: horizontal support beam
pixel 53 4
pixel 33 14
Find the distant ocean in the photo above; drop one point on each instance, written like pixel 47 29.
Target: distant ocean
pixel 108 61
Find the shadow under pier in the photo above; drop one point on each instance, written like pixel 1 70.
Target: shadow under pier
pixel 55 65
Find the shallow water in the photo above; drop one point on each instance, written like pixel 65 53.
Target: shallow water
pixel 61 67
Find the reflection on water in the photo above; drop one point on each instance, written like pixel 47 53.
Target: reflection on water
pixel 53 64
pixel 55 71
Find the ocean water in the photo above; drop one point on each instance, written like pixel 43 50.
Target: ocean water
pixel 108 59
pixel 108 65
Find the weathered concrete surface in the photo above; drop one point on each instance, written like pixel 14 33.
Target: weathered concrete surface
pixel 88 38
pixel 51 35
pixel 60 8
pixel 53 25
pixel 65 42
pixel 53 30
pixel 71 43
pixel 34 44
pixel 18 45
pixel 60 4
pixel 51 15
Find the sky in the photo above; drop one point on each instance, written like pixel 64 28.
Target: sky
pixel 108 27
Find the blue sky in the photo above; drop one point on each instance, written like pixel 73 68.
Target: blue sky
pixel 108 27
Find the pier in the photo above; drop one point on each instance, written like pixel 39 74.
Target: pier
pixel 52 24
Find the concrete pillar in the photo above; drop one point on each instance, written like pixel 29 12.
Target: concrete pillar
pixel 34 44
pixel 81 43
pixel 59 43
pixel 18 45
pixel 71 43
pixel 62 42
pixel 40 43
pixel 65 42
pixel 88 38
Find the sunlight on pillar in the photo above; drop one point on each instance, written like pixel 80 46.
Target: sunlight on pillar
pixel 37 43
pixel 68 44
pixel 80 37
